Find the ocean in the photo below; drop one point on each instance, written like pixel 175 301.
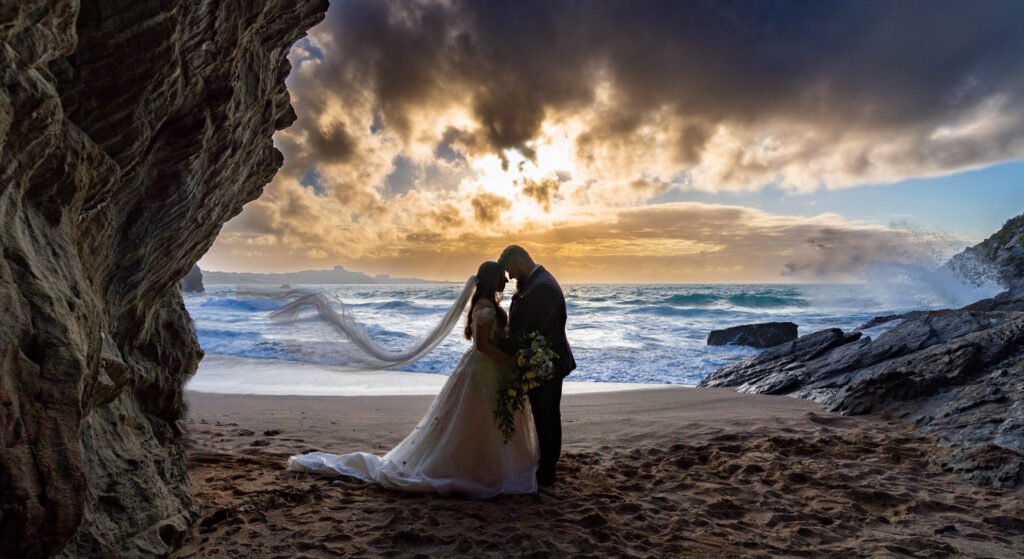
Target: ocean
pixel 652 334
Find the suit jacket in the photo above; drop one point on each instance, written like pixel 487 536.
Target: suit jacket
pixel 539 306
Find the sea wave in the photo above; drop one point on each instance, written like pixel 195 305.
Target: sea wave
pixel 757 301
pixel 669 311
pixel 636 333
pixel 692 300
pixel 404 304
pixel 720 300
pixel 383 295
pixel 248 305
pixel 633 302
pixel 222 334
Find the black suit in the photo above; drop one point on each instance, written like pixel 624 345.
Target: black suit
pixel 539 306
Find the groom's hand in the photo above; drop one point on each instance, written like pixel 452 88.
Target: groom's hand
pixel 507 345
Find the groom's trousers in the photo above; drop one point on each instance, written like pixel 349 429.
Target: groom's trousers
pixel 545 401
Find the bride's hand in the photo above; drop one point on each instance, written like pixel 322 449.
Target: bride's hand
pixel 482 342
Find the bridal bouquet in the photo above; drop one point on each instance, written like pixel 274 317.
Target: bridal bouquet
pixel 534 365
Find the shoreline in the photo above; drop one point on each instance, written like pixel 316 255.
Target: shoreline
pixel 684 472
pixel 225 374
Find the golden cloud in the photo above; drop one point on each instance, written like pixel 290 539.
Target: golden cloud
pixel 682 242
pixel 432 128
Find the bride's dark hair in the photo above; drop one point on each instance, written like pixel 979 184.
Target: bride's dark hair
pixel 487 288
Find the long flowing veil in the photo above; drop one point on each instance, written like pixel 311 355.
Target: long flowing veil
pixel 371 354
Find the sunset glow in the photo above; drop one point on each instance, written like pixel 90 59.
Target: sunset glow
pixel 628 147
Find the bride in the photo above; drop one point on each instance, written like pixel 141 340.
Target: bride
pixel 455 448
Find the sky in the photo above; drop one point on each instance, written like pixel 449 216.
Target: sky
pixel 725 141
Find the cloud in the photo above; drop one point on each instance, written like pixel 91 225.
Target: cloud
pixel 489 207
pixel 679 242
pixel 421 121
pixel 804 95
pixel 541 190
pixel 332 146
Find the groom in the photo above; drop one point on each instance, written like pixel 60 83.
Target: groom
pixel 539 306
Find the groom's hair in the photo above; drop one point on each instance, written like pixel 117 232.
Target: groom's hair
pixel 513 253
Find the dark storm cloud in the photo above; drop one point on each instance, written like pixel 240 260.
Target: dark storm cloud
pixel 446 217
pixel 399 102
pixel 893 69
pixel 332 146
pixel 542 191
pixel 488 207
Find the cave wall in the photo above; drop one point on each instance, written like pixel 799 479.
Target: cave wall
pixel 130 132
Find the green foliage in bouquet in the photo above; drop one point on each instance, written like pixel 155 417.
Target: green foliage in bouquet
pixel 534 365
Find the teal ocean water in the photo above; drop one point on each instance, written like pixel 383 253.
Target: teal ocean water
pixel 619 333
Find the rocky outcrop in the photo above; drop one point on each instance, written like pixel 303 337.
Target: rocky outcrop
pixel 999 257
pixel 881 320
pixel 130 131
pixel 765 334
pixel 1007 301
pixel 193 281
pixel 957 374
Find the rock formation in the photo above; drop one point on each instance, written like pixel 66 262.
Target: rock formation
pixel 999 257
pixel 765 334
pixel 193 281
pixel 957 374
pixel 130 131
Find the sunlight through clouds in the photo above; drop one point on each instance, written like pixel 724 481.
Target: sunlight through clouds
pixel 431 124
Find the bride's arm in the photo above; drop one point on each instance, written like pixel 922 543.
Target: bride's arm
pixel 482 341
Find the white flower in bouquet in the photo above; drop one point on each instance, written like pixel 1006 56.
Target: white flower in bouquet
pixel 535 364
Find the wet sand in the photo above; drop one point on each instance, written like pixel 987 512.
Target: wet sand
pixel 656 473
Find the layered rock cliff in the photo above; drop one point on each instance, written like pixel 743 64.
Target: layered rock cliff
pixel 999 257
pixel 130 131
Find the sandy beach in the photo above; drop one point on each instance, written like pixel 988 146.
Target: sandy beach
pixel 676 472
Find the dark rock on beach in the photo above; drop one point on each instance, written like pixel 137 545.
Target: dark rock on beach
pixel 130 132
pixel 955 374
pixel 769 372
pixel 193 281
pixel 765 334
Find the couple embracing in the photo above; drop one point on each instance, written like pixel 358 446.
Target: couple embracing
pixel 456 448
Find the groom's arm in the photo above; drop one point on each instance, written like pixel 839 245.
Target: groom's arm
pixel 542 308
pixel 509 345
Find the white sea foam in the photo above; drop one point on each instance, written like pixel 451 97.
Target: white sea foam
pixel 926 286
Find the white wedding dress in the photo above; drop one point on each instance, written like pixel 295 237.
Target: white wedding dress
pixel 456 448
